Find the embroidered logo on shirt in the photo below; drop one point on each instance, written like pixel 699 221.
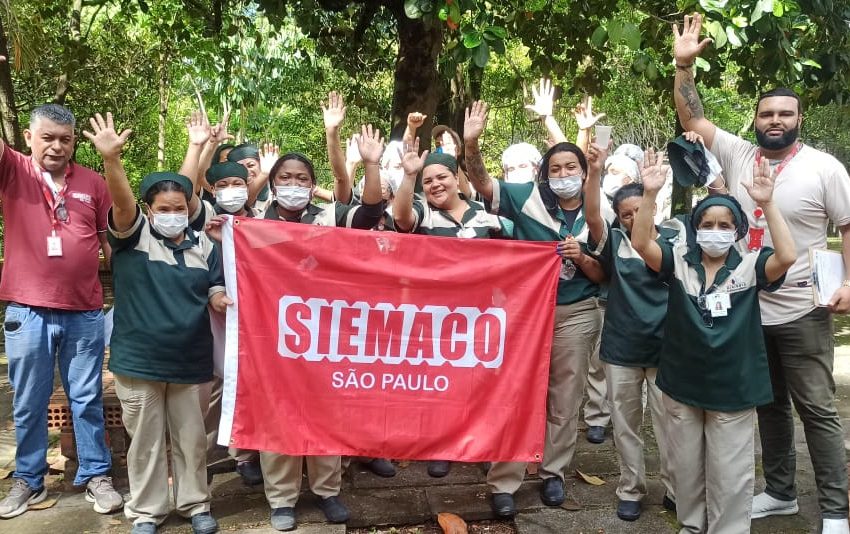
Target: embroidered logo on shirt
pixel 85 198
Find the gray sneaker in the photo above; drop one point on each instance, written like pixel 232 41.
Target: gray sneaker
pixel 99 491
pixel 19 498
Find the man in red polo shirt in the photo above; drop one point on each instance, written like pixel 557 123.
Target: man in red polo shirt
pixel 55 214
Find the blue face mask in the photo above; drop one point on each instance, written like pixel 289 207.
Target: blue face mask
pixel 439 150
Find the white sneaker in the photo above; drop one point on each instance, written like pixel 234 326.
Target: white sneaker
pixel 764 505
pixel 835 526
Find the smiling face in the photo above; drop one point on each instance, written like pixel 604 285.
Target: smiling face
pixel 52 144
pixel 253 167
pixel 440 185
pixel 777 122
pixel 564 164
pixel 717 218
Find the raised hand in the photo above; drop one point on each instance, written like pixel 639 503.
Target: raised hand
pixel 415 120
pixel 686 45
pixel 596 156
pixel 475 120
pixel 334 112
pixel 761 188
pixel 218 133
pixel 269 154
pixel 198 127
pixel 371 144
pixel 653 172
pixel 105 139
pixel 544 98
pixel 411 160
pixel 352 151
pixel 583 113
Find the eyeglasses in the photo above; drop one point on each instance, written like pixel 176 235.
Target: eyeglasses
pixel 707 319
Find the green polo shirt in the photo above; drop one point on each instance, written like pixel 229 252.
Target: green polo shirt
pixel 362 216
pixel 162 326
pixel 714 363
pixel 637 298
pixel 523 204
pixel 476 223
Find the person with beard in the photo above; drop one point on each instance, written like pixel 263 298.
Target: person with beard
pixel 812 189
pixel 552 209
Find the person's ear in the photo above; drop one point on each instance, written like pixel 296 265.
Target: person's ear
pixel 28 137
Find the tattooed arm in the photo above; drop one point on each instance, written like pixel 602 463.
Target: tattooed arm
pixel 686 48
pixel 476 120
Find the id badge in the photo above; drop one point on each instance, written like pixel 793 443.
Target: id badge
pixel 54 246
pixel 718 304
pixel 756 239
pixel 467 233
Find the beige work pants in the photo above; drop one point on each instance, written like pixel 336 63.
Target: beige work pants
pixel 712 466
pixel 625 386
pixel 282 477
pixel 149 409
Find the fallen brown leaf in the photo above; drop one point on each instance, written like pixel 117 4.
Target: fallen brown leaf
pixel 4 474
pixel 590 479
pixel 404 464
pixel 571 506
pixel 50 502
pixel 451 524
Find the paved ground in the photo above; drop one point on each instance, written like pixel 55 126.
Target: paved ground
pixel 409 502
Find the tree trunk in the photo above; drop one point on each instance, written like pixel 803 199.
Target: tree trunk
pixel 416 85
pixel 163 108
pixel 460 87
pixel 72 52
pixel 8 110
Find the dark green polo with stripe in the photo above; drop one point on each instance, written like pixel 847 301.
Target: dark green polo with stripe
pixel 523 204
pixel 715 363
pixel 476 223
pixel 162 326
pixel 637 298
pixel 362 216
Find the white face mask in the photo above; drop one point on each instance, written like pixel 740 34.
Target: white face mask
pixel 292 197
pixel 520 175
pixel 715 243
pixel 170 225
pixel 611 184
pixel 394 177
pixel 231 199
pixel 568 187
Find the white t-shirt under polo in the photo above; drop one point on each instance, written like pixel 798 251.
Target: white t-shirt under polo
pixel 811 190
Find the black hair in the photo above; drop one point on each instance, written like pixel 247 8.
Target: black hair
pixel 550 199
pixel 286 157
pixel 781 91
pixel 627 191
pixel 216 157
pixel 742 226
pixel 164 187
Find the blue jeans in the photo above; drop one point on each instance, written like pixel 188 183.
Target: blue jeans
pixel 35 338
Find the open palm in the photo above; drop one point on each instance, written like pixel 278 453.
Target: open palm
pixel 761 189
pixel 475 120
pixel 686 45
pixel 105 139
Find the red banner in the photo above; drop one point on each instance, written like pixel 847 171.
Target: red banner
pixel 377 344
